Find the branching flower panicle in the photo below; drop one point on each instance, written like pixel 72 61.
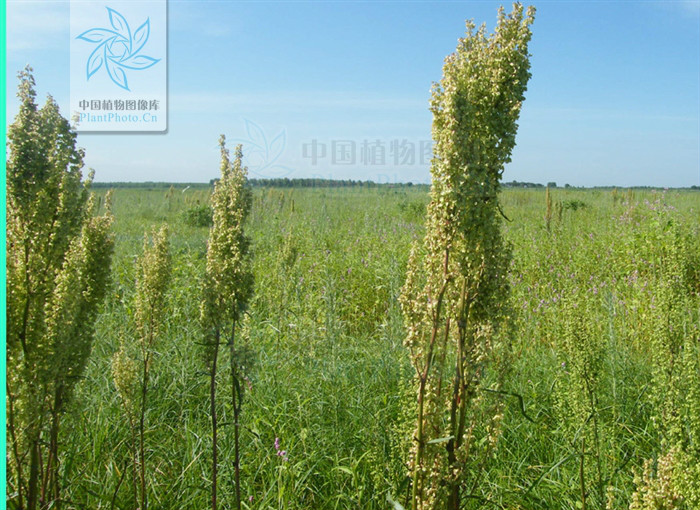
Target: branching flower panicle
pixel 227 287
pixel 58 266
pixel 455 298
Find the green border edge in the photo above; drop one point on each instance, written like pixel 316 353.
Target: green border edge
pixel 3 212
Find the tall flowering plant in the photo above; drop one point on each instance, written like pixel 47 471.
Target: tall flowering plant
pixel 58 264
pixel 149 314
pixel 228 285
pixel 455 299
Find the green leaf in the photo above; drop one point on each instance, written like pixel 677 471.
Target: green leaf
pixel 345 470
pixel 396 504
pixel 440 440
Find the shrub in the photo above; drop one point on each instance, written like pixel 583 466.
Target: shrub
pixel 201 215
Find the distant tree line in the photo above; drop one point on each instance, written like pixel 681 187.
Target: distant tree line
pixel 340 183
pixel 150 184
pixel 323 183
pixel 517 184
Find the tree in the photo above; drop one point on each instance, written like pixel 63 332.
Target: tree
pixel 228 285
pixel 58 263
pixel 455 299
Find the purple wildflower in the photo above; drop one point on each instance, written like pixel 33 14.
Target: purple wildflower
pixel 280 453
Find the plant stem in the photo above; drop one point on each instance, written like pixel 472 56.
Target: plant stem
pixel 50 487
pixel 134 457
pixel 212 401
pixel 236 400
pixel 417 489
pixel 142 420
pixel 15 451
pixel 416 493
pixel 32 490
pixel 458 403
pixel 582 476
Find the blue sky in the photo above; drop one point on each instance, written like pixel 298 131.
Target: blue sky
pixel 614 97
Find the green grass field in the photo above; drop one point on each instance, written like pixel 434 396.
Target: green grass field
pixel 326 370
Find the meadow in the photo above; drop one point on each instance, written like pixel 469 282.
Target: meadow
pixel 329 405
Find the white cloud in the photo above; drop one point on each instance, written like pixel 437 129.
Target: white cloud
pixel 33 25
pixel 191 17
pixel 291 102
pixel 688 9
pixel 691 6
pixel 602 115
